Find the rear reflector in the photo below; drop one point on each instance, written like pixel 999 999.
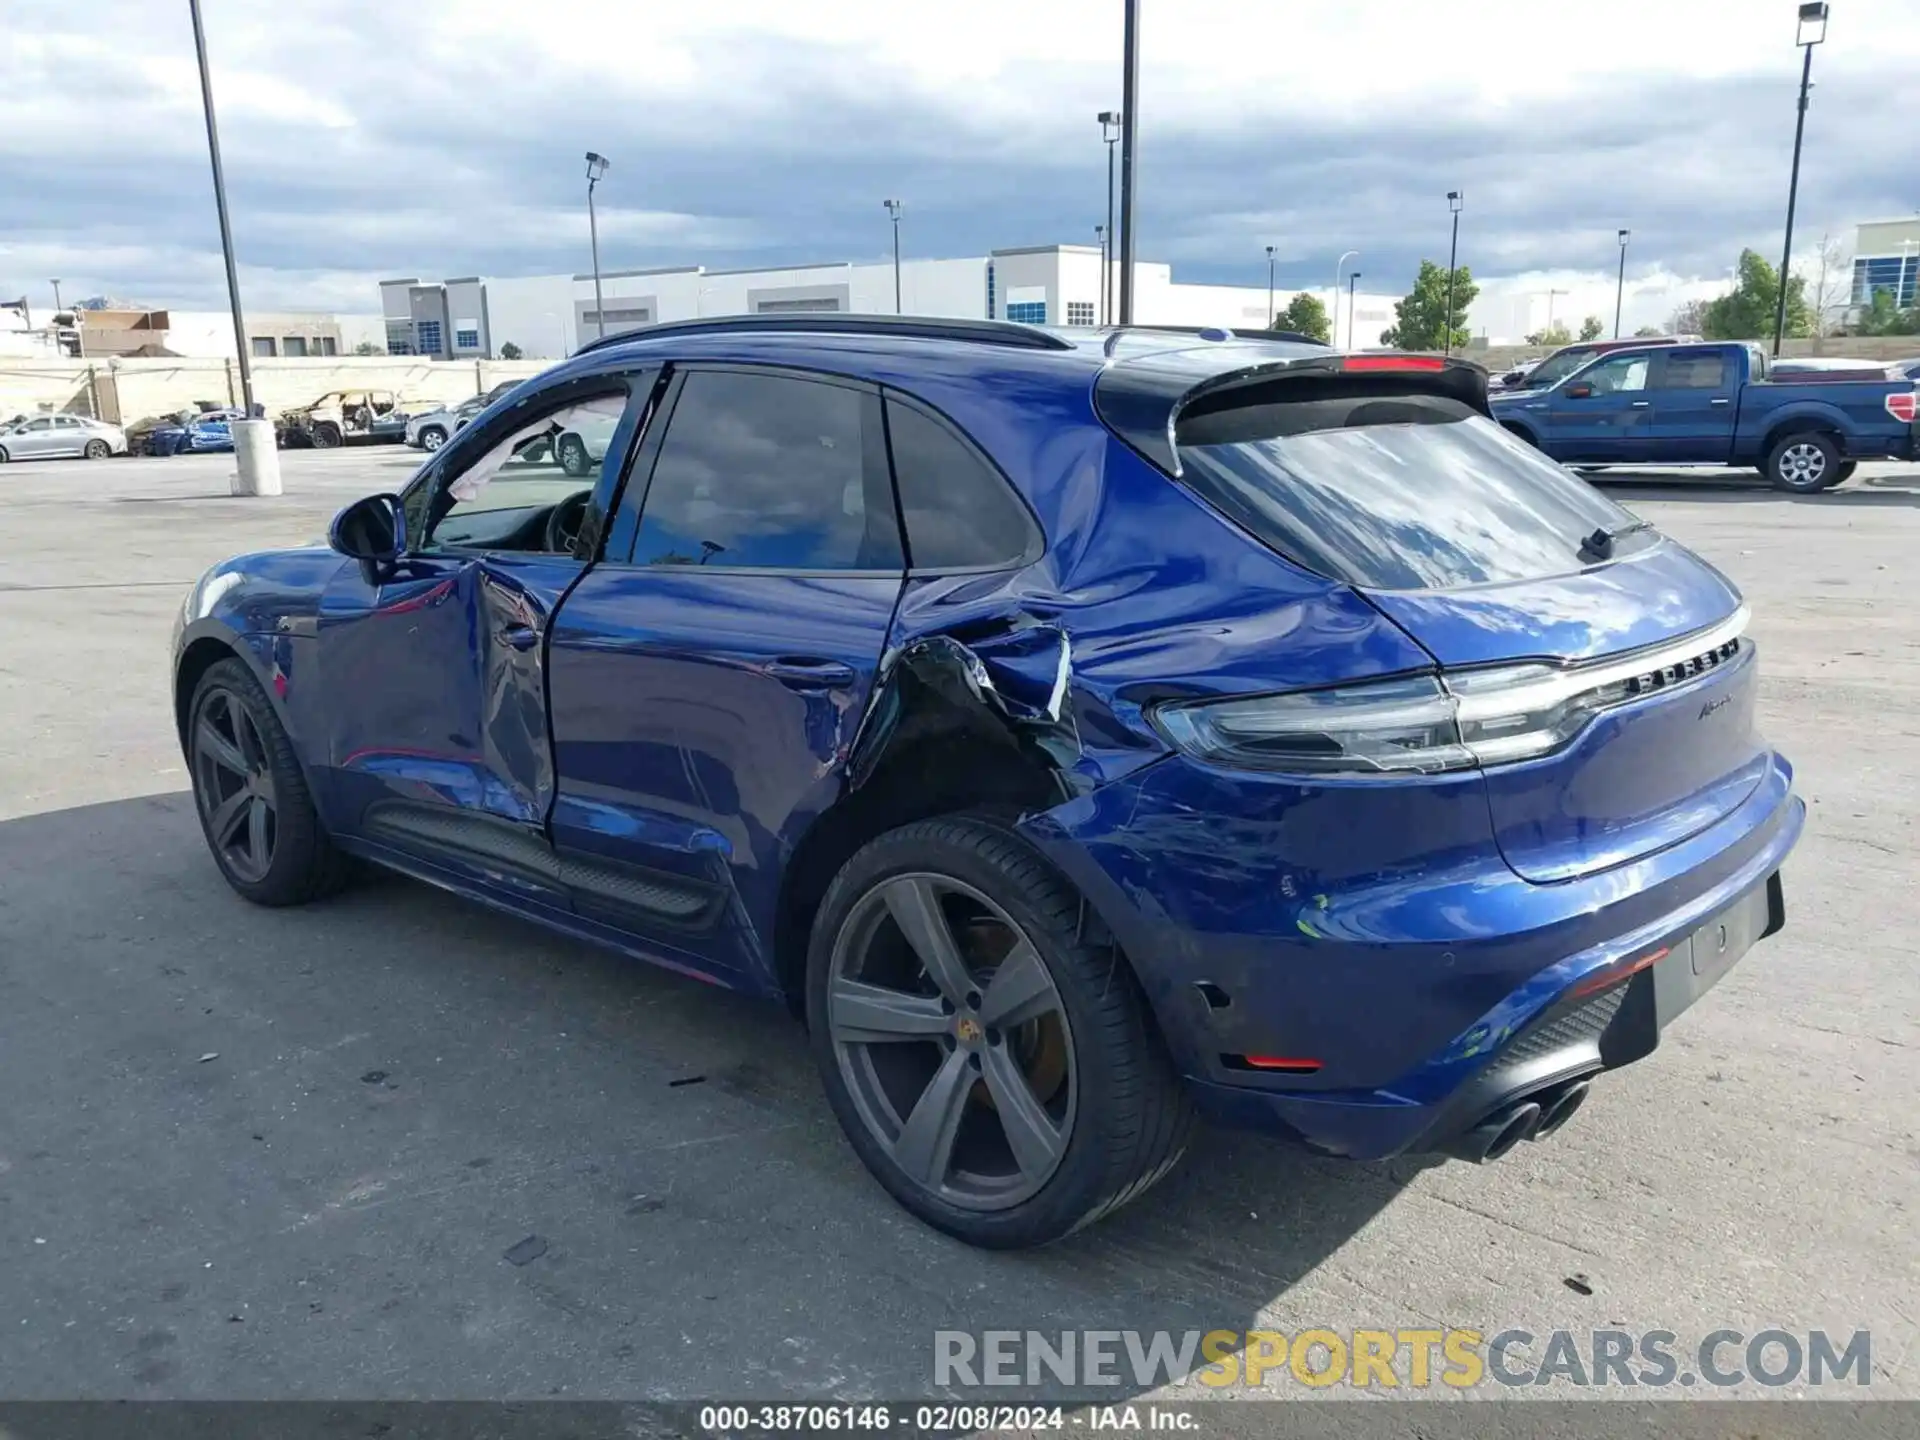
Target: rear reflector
pixel 1393 362
pixel 1280 1064
pixel 1614 974
pixel 1903 407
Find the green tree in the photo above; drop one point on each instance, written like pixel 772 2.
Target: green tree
pixel 1746 312
pixel 1591 327
pixel 1305 314
pixel 1554 335
pixel 1420 320
pixel 1645 331
pixel 1689 319
pixel 1883 317
pixel 367 347
pixel 511 351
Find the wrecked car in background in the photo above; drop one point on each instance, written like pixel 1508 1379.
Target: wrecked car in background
pixel 342 417
pixel 1078 733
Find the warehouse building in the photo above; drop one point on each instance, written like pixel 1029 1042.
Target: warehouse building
pixel 549 316
pixel 1886 256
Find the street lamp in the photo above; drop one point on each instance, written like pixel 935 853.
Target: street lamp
pixel 894 208
pixel 256 461
pixel 56 297
pixel 596 169
pixel 1352 280
pixel 1338 266
pixel 1109 136
pixel 1550 295
pixel 1453 254
pixel 1813 30
pixel 1270 286
pixel 1100 239
pixel 1620 286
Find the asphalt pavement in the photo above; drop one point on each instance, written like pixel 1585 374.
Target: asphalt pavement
pixel 397 1146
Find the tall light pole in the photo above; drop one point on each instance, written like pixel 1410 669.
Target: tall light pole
pixel 1453 254
pixel 1813 29
pixel 256 461
pixel 56 296
pixel 894 207
pixel 1620 285
pixel 1352 280
pixel 1270 287
pixel 1550 295
pixel 1338 266
pixel 1129 137
pixel 1100 239
pixel 596 168
pixel 1109 136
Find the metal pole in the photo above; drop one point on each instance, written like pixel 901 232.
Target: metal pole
pixel 56 298
pixel 1338 266
pixel 593 234
pixel 1620 285
pixel 1453 254
pixel 1106 263
pixel 1352 280
pixel 220 204
pixel 896 264
pixel 1793 194
pixel 1270 286
pixel 1129 153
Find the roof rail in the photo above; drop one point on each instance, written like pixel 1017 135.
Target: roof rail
pixel 919 327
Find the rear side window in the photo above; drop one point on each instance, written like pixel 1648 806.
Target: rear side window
pixel 1695 370
pixel 770 472
pixel 1394 492
pixel 958 511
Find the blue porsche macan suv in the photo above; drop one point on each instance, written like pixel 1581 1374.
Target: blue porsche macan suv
pixel 1081 734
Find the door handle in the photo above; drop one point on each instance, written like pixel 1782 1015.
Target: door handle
pixel 805 674
pixel 1641 404
pixel 520 637
pixel 1720 400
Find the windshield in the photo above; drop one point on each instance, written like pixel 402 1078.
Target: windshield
pixel 1556 368
pixel 1399 492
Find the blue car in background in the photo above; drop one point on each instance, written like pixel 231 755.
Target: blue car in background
pixel 1081 735
pixel 205 433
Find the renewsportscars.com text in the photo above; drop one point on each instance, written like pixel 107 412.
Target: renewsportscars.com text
pixel 1400 1359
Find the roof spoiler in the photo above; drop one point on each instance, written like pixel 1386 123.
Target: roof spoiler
pixel 1142 401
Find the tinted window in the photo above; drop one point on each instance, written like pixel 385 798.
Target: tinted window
pixel 1613 377
pixel 1557 366
pixel 1696 370
pixel 959 513
pixel 1397 492
pixel 772 472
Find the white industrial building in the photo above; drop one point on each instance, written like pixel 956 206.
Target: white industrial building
pixel 549 316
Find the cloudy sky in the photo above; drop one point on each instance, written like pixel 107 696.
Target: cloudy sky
pixel 442 137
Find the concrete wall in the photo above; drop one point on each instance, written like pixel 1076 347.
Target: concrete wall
pixel 129 390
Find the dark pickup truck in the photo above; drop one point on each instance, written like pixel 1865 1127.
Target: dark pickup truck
pixel 1714 405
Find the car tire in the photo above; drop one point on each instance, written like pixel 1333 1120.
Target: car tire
pixel 1842 473
pixel 571 451
pixel 1103 1112
pixel 251 795
pixel 97 450
pixel 326 437
pixel 1803 463
pixel 432 438
pixel 4 457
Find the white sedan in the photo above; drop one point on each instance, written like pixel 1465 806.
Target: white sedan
pixel 48 437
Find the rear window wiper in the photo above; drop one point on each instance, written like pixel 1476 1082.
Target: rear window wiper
pixel 1599 545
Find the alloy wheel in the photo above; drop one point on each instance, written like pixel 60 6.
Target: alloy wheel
pixel 953 1041
pixel 431 440
pixel 1802 465
pixel 233 783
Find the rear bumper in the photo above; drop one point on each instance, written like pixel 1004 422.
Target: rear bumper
pixel 1417 987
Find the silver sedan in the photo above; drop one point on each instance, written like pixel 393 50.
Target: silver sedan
pixel 48 437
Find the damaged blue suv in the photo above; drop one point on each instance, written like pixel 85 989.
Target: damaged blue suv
pixel 1081 734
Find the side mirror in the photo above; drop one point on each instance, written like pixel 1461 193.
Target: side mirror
pixel 372 531
pixel 1578 392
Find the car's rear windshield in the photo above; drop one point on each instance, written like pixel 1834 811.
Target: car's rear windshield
pixel 1395 492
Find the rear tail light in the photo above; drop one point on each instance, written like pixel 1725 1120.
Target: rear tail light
pixel 1612 975
pixel 1903 405
pixel 1425 724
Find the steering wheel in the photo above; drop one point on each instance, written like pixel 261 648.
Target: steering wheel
pixel 564 522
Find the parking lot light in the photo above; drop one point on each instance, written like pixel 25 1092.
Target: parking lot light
pixel 1352 280
pixel 1453 255
pixel 1620 286
pixel 894 207
pixel 596 168
pixel 1813 30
